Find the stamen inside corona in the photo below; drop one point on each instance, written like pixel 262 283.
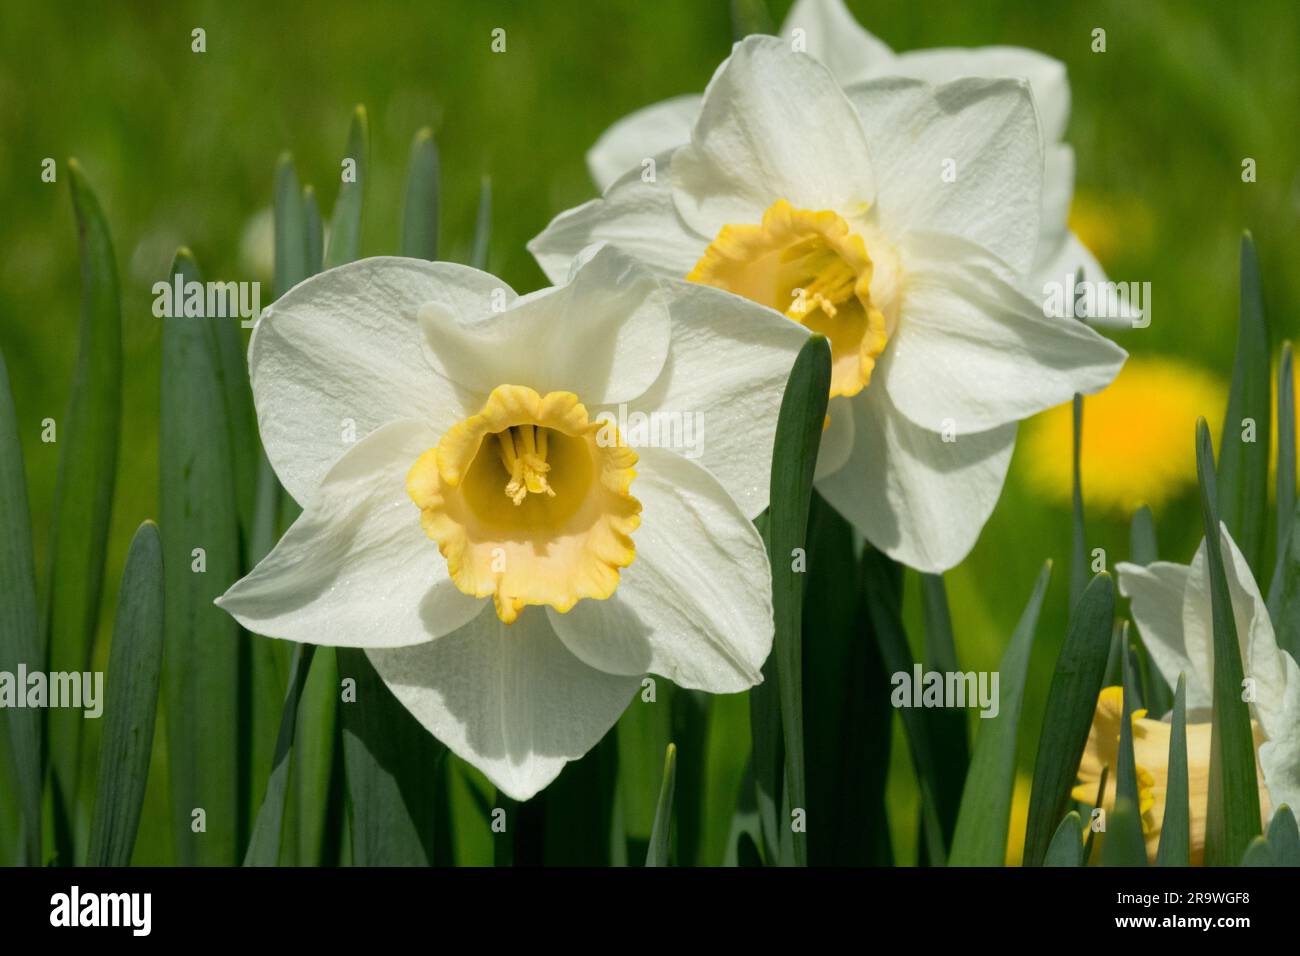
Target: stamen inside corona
pixel 523 452
pixel 810 266
pixel 526 504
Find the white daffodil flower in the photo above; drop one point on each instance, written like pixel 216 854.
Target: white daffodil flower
pixel 827 30
pixel 832 208
pixel 511 566
pixel 1171 606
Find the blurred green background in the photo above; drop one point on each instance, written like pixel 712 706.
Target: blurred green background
pixel 181 146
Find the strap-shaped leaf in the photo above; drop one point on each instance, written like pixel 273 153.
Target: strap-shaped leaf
pixel 291 229
pixel 1071 703
pixel 691 711
pixel 1243 450
pixel 981 836
pixel 317 785
pixel 1258 853
pixel 420 209
pixel 83 495
pixel 201 559
pixel 1066 848
pixel 1143 545
pixel 876 683
pixel 1144 549
pixel 1232 814
pixel 657 855
pixel 794 457
pixel 265 668
pixel 882 590
pixel 19 627
pixel 643 732
pixel 768 758
pixel 947 725
pixel 1284 595
pixel 1176 829
pixel 1284 837
pixel 1097 813
pixel 262 663
pixel 134 671
pixel 345 227
pixel 847 714
pixel 392 764
pixel 268 831
pixel 578 809
pixel 468 817
pixel 1124 844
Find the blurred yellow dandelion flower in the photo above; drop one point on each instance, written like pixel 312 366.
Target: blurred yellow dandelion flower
pixel 1137 436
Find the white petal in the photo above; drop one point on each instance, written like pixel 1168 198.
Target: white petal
pixel 1156 592
pixel 973 349
pixel 1109 311
pixel 1198 634
pixel 837 437
pixel 1275 674
pixel 774 125
pixel 1047 77
pixel 695 605
pixel 917 498
pixel 1072 256
pixel 638 217
pixel 1279 756
pixel 603 336
pixel 1259 652
pixel 642 135
pixel 509 699
pixel 831 34
pixel 1061 256
pixel 1058 193
pixel 727 368
pixel 356 569
pixel 1261 659
pixel 988 129
pixel 344 347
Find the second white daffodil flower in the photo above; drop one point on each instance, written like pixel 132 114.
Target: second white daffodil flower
pixel 1171 606
pixel 837 210
pixel 826 30
pixel 511 566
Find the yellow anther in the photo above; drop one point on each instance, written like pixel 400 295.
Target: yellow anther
pixel 523 452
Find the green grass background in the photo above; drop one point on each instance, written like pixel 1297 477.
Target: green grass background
pixel 180 147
